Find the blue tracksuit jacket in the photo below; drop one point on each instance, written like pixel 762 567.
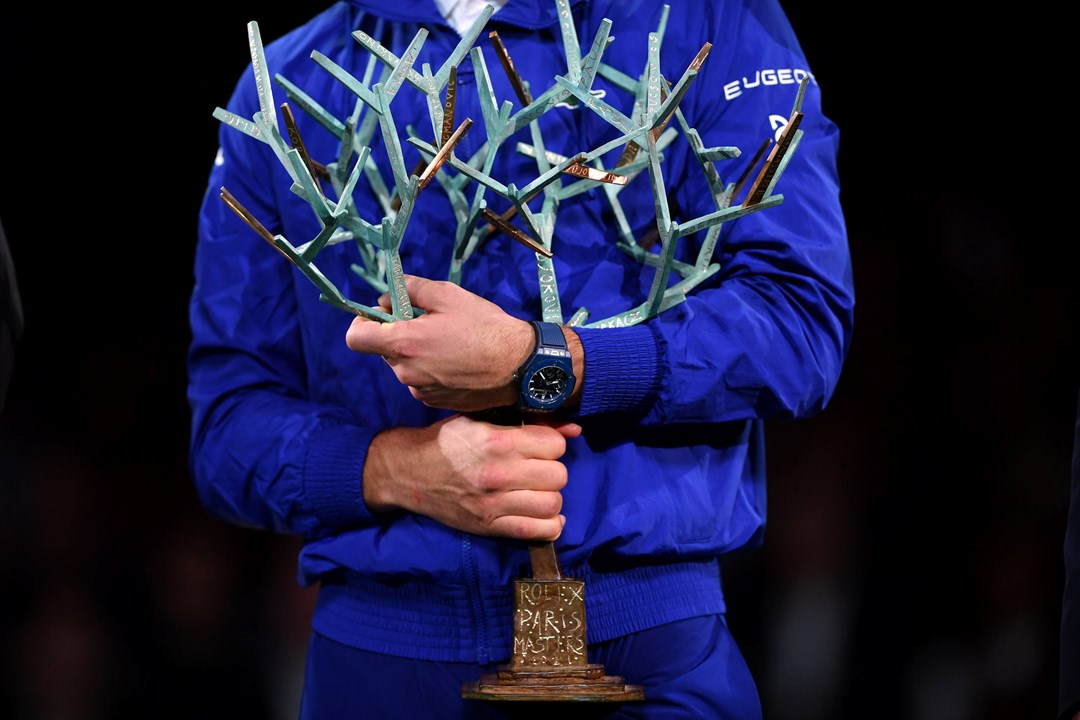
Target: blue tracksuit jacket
pixel 669 473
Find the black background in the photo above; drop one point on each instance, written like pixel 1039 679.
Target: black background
pixel 912 565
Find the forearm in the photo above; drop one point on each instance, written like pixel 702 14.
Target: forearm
pixel 472 475
pixel 392 459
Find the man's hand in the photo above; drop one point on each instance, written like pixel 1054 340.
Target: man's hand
pixel 461 354
pixel 485 479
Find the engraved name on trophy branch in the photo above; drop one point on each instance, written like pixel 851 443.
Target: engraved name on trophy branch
pixel 549 660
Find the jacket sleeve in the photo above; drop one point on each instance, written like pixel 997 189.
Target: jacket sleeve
pixel 767 335
pixel 262 454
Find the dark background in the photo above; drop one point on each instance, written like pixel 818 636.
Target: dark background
pixel 913 563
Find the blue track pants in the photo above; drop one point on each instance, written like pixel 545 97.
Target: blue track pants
pixel 689 669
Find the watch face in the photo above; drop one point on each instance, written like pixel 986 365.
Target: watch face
pixel 548 383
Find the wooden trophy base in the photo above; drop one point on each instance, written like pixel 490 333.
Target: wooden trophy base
pixel 584 684
pixel 549 661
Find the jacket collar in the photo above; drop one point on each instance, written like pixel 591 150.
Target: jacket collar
pixel 528 14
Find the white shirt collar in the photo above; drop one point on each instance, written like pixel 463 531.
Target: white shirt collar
pixel 462 13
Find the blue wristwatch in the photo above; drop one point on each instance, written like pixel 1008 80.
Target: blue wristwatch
pixel 547 377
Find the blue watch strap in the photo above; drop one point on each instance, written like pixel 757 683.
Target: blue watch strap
pixel 549 334
pixel 549 359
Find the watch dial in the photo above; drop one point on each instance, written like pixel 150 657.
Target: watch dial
pixel 548 383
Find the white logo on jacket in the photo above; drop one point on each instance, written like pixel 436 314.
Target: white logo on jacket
pixel 778 123
pixel 766 77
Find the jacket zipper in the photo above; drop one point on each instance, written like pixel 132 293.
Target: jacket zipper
pixel 476 600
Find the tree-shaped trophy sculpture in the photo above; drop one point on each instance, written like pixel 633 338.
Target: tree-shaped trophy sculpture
pixel 546 664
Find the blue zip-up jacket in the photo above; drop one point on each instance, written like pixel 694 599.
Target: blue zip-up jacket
pixel 669 472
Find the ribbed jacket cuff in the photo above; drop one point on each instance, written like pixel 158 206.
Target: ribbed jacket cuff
pixel 622 369
pixel 333 473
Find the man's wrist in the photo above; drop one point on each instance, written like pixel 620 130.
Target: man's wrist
pixel 379 469
pixel 521 348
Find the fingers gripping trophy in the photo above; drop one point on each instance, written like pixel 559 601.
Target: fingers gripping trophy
pixel 549 655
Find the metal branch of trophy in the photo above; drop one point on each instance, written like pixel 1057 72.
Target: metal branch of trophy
pixel 549 659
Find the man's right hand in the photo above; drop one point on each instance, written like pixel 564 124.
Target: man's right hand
pixel 485 479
